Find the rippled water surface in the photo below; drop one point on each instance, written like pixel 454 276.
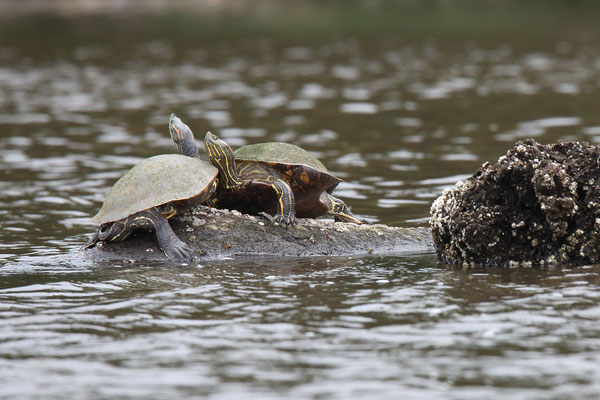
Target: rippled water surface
pixel 399 120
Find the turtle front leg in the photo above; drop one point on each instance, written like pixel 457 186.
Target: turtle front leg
pixel 169 243
pixel 286 208
pixel 339 209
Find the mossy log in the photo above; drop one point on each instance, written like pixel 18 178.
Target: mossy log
pixel 214 234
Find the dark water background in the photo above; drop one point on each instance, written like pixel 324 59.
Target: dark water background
pixel 398 115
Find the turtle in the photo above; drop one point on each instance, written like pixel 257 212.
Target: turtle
pixel 149 194
pixel 273 178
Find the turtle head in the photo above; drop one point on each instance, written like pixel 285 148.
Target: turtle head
pixel 183 137
pixel 113 231
pixel 221 156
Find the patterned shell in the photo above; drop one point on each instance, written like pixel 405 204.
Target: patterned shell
pixel 156 180
pixel 279 153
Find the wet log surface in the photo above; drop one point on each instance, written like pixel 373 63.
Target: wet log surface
pixel 215 234
pixel 539 204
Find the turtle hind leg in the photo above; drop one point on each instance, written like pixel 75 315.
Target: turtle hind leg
pixel 170 244
pixel 339 210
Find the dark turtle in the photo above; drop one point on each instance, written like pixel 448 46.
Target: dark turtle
pixel 151 192
pixel 276 178
pixel 280 179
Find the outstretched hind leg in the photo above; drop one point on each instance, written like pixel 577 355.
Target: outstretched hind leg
pixel 339 209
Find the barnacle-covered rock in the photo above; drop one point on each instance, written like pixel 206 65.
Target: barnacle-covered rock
pixel 538 204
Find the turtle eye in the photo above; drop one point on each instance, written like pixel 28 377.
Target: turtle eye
pixel 106 231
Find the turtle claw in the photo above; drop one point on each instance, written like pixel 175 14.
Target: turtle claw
pixel 266 216
pixel 285 221
pixel 179 252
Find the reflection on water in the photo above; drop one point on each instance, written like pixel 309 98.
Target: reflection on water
pixel 399 122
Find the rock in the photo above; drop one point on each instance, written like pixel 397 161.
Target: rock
pixel 539 204
pixel 215 234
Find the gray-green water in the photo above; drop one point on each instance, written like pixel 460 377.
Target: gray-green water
pixel 398 119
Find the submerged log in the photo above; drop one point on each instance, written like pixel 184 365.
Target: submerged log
pixel 539 204
pixel 215 234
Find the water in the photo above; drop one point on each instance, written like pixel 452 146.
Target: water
pixel 399 120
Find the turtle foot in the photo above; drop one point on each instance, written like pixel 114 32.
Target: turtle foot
pixel 285 221
pixel 179 252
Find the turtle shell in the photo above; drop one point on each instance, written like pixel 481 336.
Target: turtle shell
pixel 299 168
pixel 155 181
pixel 303 172
pixel 279 153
